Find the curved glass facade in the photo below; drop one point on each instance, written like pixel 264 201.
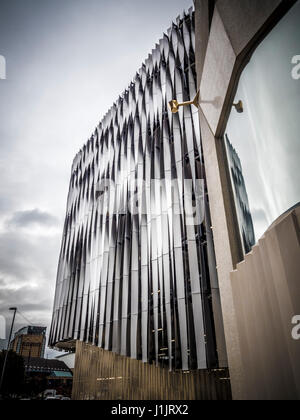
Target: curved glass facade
pixel 263 142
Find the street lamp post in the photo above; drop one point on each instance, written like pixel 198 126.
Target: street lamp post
pixel 8 345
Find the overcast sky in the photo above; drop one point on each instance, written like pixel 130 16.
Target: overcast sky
pixel 67 62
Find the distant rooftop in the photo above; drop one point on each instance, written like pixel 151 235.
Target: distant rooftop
pixel 37 364
pixel 31 330
pixel 59 374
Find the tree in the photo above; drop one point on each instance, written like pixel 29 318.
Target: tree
pixel 14 373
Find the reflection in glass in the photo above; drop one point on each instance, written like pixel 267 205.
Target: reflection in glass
pixel 241 197
pixel 263 143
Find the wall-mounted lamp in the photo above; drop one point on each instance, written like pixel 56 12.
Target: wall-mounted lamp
pixel 239 107
pixel 174 105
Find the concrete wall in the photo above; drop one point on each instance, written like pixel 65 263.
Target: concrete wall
pixel 228 38
pixel 266 296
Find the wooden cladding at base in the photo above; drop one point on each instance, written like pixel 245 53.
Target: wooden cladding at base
pixel 103 375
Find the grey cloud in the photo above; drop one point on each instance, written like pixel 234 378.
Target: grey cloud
pixel 27 277
pixel 33 303
pixel 25 259
pixel 32 217
pixel 17 258
pixel 6 203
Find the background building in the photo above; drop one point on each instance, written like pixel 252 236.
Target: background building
pixel 29 342
pixel 47 366
pixel 42 374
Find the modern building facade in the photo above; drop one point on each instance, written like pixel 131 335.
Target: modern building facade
pixel 30 342
pixel 181 241
pixel 137 273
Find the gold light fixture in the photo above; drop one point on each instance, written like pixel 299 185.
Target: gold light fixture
pixel 239 107
pixel 174 105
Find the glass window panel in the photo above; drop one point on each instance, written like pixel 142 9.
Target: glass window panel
pixel 263 143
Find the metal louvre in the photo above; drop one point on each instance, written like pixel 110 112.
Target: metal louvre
pixel 133 275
